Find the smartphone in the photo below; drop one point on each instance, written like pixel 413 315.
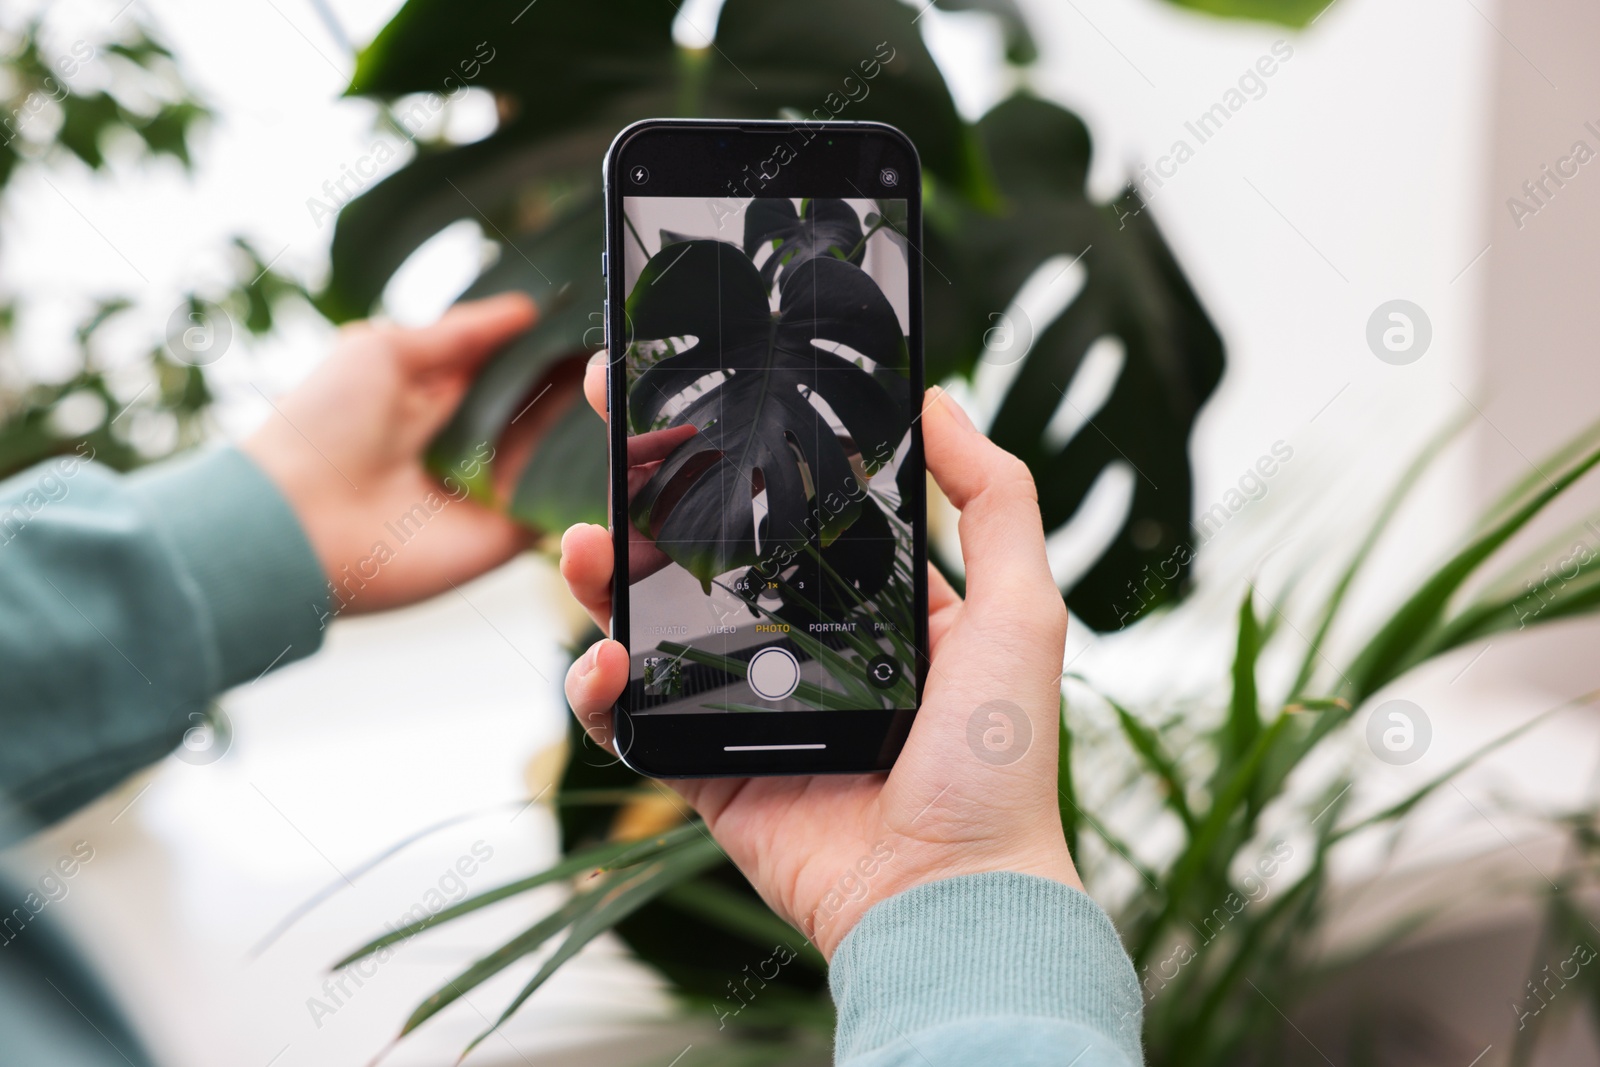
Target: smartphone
pixel 768 511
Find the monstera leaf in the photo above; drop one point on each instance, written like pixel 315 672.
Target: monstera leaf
pixel 759 427
pixel 822 227
pixel 567 75
pixel 1135 295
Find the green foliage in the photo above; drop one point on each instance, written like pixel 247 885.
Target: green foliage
pixel 48 111
pixel 1236 906
pixel 35 423
pixel 52 119
pixel 1005 197
pixel 1286 12
pixel 1134 294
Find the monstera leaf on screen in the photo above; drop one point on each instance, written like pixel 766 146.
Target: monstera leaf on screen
pixel 747 381
pixel 822 227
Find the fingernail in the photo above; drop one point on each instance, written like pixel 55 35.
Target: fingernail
pixel 942 396
pixel 587 660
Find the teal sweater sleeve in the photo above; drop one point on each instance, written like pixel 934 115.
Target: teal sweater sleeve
pixel 126 604
pixel 986 968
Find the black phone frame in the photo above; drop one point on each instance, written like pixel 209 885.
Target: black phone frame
pixel 739 159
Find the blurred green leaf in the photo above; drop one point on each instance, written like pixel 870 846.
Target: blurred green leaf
pixel 601 858
pixel 1020 48
pixel 1413 632
pixel 565 481
pixel 725 907
pixel 616 903
pixel 1149 747
pixel 1244 710
pixel 844 59
pixel 84 120
pixel 575 908
pixel 568 325
pixel 1385 515
pixel 1296 13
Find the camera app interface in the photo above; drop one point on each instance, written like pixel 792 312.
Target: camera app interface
pixel 768 415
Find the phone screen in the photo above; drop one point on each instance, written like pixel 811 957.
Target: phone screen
pixel 769 415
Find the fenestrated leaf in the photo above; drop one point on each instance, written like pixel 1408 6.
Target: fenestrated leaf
pixel 1135 293
pixel 616 65
pixel 506 181
pixel 847 60
pixel 824 227
pixel 1020 48
pixel 758 419
pixel 567 60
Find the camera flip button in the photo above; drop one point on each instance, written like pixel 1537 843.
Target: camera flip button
pixel 883 671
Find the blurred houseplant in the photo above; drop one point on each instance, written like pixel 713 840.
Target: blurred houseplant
pixel 1225 921
pixel 1003 196
pixel 110 103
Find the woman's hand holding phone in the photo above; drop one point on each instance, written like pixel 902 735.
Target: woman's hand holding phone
pixel 808 843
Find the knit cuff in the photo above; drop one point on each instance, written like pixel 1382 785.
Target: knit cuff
pixel 247 564
pixel 995 945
